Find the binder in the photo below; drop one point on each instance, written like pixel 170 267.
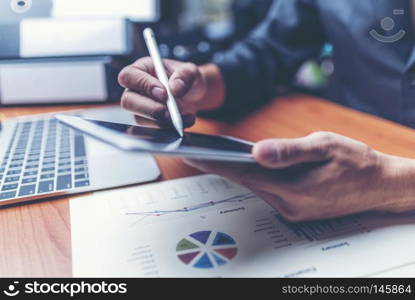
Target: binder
pixel 35 38
pixel 59 80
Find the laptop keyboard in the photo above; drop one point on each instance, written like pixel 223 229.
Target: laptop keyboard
pixel 43 157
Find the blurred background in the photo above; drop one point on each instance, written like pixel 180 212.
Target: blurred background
pixel 42 38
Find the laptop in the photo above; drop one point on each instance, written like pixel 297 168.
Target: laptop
pixel 41 158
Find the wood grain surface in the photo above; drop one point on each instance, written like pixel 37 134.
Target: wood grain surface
pixel 35 238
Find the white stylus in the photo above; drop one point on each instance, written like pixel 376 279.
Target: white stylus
pixel 152 46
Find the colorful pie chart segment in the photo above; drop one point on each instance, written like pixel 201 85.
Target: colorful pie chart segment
pixel 206 249
pixel 223 239
pixel 201 236
pixel 185 244
pixel 229 253
pixel 187 258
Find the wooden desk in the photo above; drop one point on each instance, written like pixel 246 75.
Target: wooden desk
pixel 35 238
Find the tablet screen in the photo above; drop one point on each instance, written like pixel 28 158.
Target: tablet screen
pixel 169 140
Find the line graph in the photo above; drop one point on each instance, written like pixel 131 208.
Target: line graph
pixel 158 213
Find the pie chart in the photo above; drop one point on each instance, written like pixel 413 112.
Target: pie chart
pixel 206 249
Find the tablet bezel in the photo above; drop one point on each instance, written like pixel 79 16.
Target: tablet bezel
pixel 131 144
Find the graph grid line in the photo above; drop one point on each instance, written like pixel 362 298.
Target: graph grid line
pixel 157 213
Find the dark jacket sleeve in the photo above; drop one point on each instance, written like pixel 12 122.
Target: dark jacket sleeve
pixel 272 53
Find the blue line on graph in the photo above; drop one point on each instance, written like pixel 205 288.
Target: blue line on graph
pixel 155 213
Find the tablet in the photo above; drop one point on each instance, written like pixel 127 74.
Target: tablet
pixel 164 142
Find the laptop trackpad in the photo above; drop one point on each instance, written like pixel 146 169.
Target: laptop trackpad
pixel 96 148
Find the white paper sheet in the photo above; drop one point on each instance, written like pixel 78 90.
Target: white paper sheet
pixel 54 82
pixel 139 11
pixel 68 37
pixel 206 226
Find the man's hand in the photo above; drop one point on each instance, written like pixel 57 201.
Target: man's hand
pixel 323 175
pixel 146 96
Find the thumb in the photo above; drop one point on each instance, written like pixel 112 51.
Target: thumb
pixel 284 153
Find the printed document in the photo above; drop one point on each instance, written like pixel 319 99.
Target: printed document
pixel 207 226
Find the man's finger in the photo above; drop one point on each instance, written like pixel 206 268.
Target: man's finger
pixel 275 201
pixel 188 119
pixel 284 153
pixel 146 122
pixel 137 80
pixel 143 106
pixel 250 175
pixel 229 170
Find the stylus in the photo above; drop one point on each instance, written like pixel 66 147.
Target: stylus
pixel 153 49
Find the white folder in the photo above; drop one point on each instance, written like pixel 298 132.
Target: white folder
pixel 53 81
pixel 75 37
